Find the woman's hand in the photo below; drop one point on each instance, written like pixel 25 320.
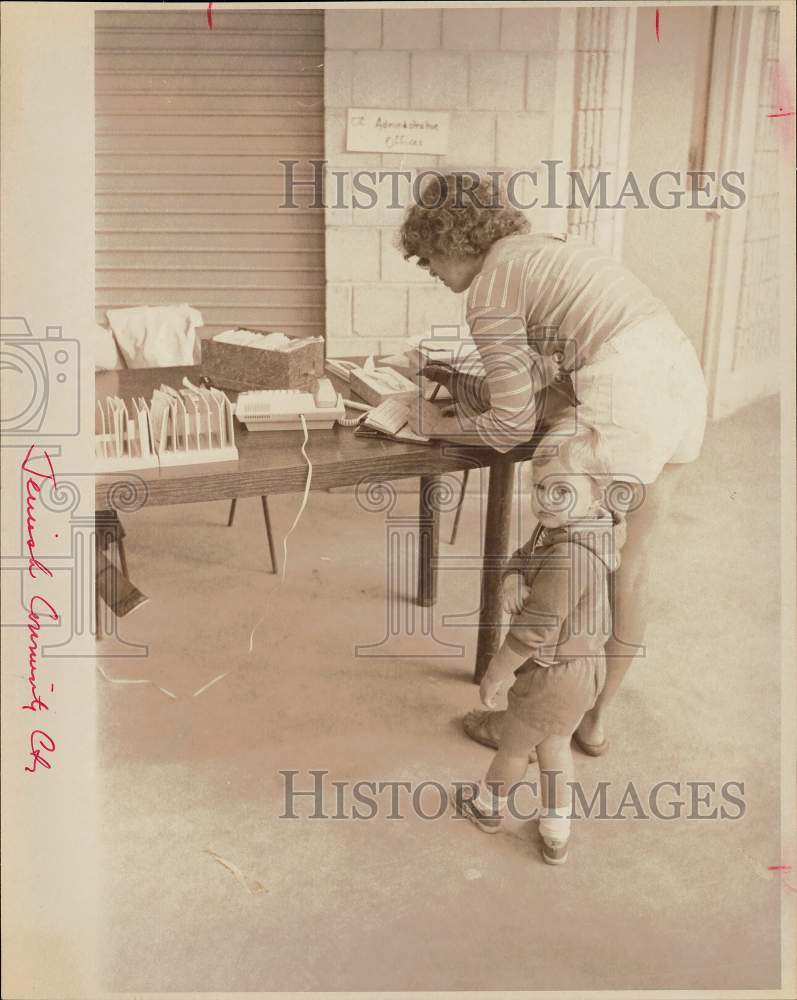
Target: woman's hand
pixel 514 593
pixel 438 371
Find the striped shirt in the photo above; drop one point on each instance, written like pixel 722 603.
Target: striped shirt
pixel 541 303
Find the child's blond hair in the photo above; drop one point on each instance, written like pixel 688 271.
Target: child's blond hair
pixel 583 454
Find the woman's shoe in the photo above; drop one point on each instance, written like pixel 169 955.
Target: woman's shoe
pixel 554 852
pixel 592 749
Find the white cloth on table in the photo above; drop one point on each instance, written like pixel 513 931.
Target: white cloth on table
pixel 106 350
pixel 157 336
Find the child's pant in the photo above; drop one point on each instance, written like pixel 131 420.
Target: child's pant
pixel 550 701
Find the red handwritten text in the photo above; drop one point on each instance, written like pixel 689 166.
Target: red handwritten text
pixel 36 704
pixel 40 743
pixel 33 487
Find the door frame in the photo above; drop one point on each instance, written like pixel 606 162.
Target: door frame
pixel 730 140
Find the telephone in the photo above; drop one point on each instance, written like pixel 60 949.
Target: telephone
pixel 280 409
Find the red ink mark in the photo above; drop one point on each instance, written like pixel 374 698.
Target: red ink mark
pixel 32 490
pixel 780 94
pixel 40 743
pixel 210 16
pixel 658 21
pixel 783 868
pixel 36 704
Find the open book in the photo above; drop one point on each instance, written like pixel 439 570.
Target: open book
pixel 390 419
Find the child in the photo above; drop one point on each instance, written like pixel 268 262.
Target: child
pixel 558 595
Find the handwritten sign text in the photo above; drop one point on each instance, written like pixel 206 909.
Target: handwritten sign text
pixel 376 131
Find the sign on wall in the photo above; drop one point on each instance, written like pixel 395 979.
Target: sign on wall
pixel 371 130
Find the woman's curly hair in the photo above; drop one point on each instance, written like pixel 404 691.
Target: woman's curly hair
pixel 458 215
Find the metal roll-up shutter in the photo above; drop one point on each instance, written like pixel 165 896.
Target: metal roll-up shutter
pixel 191 125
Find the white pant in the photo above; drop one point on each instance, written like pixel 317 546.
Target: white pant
pixel 644 393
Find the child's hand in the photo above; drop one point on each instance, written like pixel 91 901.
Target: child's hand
pixel 514 593
pixel 500 674
pixel 492 686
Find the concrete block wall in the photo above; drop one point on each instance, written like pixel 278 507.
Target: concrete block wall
pixel 505 75
pixel 603 84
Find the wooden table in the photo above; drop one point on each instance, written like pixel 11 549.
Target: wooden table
pixel 271 462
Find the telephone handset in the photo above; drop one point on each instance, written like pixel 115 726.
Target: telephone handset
pixel 281 409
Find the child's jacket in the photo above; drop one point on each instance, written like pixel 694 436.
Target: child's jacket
pixel 567 613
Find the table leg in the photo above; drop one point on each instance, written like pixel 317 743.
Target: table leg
pixel 496 542
pixel 428 541
pixel 270 537
pixel 106 534
pixel 98 553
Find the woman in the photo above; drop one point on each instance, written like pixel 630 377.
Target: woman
pixel 543 310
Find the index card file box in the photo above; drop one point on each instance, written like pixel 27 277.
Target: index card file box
pixel 235 366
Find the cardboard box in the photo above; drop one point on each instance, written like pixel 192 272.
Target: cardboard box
pixel 233 366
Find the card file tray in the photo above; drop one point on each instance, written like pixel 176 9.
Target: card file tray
pixel 190 427
pixel 123 438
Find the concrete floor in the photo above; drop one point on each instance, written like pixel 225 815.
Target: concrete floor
pixel 432 905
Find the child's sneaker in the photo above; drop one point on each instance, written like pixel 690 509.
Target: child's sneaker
pixel 554 852
pixel 487 822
